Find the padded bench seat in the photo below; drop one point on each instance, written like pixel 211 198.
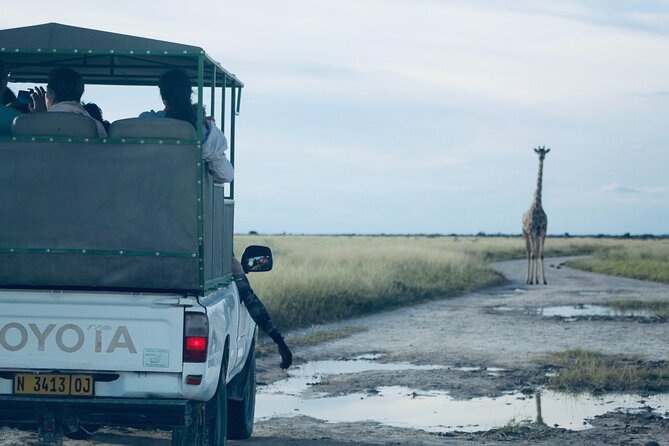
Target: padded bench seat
pixel 152 128
pixel 54 124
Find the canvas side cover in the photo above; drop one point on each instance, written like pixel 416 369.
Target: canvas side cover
pixel 101 215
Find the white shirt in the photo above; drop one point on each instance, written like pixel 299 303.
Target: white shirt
pixel 213 152
pixel 75 107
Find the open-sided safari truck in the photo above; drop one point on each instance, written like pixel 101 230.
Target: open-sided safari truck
pixel 118 305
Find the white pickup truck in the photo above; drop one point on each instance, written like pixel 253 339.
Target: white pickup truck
pixel 118 305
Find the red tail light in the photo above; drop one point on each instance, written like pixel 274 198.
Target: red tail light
pixel 196 332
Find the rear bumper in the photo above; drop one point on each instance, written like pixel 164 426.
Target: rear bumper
pixel 103 411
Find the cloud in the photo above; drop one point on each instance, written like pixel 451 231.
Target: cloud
pixel 366 158
pixel 656 94
pixel 616 188
pixel 648 16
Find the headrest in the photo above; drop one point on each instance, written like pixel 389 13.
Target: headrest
pixel 54 124
pixel 152 128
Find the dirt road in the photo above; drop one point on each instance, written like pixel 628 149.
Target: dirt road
pixel 498 328
pixel 479 348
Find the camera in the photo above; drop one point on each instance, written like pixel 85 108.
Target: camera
pixel 23 97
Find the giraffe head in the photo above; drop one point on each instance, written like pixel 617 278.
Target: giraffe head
pixel 541 151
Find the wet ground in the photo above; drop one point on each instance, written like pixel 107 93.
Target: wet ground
pixel 436 411
pixel 589 311
pixel 463 371
pixel 468 370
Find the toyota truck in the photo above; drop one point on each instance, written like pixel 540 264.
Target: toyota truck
pixel 118 305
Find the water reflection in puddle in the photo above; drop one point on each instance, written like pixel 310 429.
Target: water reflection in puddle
pixel 510 293
pixel 582 310
pixel 590 310
pixel 310 373
pixel 433 411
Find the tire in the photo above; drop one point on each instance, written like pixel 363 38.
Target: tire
pixel 196 433
pixel 210 419
pixel 241 413
pixel 218 421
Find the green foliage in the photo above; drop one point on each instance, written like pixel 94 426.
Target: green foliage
pixel 583 370
pixel 326 278
pixel 637 259
pixel 658 308
pixel 319 279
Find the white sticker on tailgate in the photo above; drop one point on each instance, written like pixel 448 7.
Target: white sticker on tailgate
pixel 156 357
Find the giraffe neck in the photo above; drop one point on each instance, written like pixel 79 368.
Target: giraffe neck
pixel 537 194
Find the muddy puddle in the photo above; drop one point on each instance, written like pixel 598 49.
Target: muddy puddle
pixel 570 311
pixel 573 312
pixel 434 411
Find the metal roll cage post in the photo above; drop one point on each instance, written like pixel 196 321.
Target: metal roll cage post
pixel 235 104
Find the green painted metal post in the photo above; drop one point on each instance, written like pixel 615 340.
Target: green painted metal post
pixel 200 96
pixel 225 86
pixel 232 133
pixel 212 106
pixel 200 174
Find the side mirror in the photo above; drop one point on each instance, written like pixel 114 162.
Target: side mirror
pixel 257 259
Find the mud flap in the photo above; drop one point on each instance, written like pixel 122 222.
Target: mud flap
pixel 194 431
pixel 49 429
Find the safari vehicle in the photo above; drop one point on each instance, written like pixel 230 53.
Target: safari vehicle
pixel 116 289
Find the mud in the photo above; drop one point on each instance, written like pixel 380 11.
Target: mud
pixel 467 332
pixel 470 341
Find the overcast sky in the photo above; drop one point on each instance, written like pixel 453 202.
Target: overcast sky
pixel 420 116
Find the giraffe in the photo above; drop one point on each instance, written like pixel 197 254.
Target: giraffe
pixel 535 223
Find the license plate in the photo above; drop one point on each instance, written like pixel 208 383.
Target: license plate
pixel 53 384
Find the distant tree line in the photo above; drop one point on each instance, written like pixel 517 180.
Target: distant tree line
pixel 626 235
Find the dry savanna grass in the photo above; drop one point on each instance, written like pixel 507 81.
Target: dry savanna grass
pixel 638 259
pixel 656 308
pixel 320 279
pixel 588 371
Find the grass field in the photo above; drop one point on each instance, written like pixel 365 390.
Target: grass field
pixel 638 259
pixel 320 279
pixel 657 308
pixel 583 370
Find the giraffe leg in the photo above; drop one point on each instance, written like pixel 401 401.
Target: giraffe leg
pixel 529 256
pixel 536 248
pixel 533 261
pixel 541 257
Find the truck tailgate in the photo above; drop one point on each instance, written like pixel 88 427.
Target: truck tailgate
pixel 89 331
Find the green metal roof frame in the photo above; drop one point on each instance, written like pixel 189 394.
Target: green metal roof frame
pixel 101 57
pixel 106 58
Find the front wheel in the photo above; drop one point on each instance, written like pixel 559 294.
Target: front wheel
pixel 241 413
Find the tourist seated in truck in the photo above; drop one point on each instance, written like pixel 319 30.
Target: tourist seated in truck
pixel 7 114
pixel 63 93
pixel 176 92
pixel 95 111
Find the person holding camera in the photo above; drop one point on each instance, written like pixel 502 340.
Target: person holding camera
pixel 7 114
pixel 63 93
